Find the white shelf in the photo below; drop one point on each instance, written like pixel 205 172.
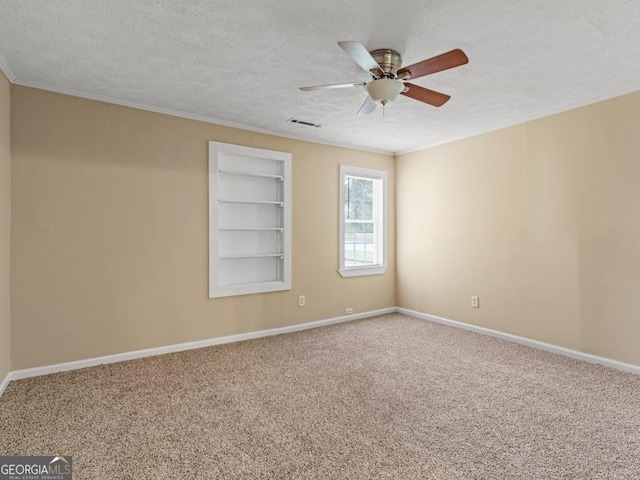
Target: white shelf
pixel 257 229
pixel 253 202
pixel 254 175
pixel 259 255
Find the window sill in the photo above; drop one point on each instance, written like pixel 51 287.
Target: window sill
pixel 361 271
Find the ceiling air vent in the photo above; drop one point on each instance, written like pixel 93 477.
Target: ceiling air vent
pixel 302 122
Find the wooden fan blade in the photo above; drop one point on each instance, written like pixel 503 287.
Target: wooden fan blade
pixel 362 57
pixel 451 59
pixel 367 107
pixel 425 95
pixel 333 86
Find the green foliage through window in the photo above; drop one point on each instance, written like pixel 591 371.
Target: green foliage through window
pixel 359 238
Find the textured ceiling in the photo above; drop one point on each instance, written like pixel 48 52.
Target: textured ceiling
pixel 241 62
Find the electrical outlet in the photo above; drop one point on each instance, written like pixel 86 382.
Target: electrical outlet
pixel 302 301
pixel 475 301
pixel 349 310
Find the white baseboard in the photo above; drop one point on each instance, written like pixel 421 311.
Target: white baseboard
pixel 5 383
pixel 151 352
pixel 625 367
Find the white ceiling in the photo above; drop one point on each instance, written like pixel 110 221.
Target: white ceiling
pixel 241 62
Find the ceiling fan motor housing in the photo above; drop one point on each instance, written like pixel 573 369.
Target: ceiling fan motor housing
pixel 389 60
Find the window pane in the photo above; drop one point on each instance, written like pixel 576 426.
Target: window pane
pixel 362 221
pixel 359 244
pixel 358 198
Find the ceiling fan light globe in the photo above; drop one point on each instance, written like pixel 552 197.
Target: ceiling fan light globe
pixel 384 90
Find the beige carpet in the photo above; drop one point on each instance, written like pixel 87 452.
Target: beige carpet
pixel 388 397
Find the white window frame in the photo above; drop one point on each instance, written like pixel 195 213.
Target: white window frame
pixel 380 221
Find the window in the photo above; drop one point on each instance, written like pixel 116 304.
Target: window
pixel 363 220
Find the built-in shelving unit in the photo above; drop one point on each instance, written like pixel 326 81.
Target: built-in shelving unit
pixel 249 220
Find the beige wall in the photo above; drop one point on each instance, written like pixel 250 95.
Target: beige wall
pixel 5 223
pixel 110 232
pixel 540 220
pixel 109 236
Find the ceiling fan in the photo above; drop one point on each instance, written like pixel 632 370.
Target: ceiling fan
pixel 388 80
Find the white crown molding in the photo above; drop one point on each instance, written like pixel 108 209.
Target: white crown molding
pixel 6 69
pixel 567 352
pixel 191 116
pixel 529 118
pixel 152 352
pixel 218 121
